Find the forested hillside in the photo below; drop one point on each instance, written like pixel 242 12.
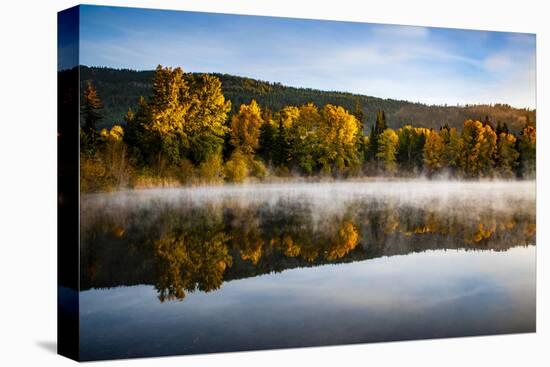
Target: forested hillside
pixel 187 132
pixel 121 89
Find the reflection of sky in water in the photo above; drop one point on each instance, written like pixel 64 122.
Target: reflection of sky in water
pixel 431 294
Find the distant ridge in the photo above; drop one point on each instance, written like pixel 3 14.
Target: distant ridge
pixel 120 89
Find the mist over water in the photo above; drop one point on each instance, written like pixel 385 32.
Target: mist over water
pixel 326 196
pixel 225 268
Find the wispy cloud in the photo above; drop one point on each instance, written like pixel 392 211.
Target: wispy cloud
pixel 414 63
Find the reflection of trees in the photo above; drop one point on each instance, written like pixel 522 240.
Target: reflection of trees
pixel 187 262
pixel 345 241
pixel 191 254
pixel 183 248
pixel 291 231
pixel 246 236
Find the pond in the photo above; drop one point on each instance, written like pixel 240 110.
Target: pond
pixel 231 268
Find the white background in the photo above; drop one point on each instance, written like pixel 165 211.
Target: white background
pixel 28 182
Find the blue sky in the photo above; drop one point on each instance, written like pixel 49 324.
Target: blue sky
pixel 429 65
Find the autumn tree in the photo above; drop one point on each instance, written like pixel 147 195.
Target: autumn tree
pixel 108 168
pixel 114 156
pixel 245 128
pixel 387 150
pixel 237 167
pixel 454 154
pixel 182 124
pixel 168 108
pixel 206 117
pixel 338 135
pixel 479 146
pixel 487 143
pixel 304 138
pixel 433 151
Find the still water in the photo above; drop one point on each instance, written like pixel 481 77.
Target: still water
pixel 198 270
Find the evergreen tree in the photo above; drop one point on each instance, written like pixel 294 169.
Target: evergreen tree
pixel 501 128
pixel 136 135
pixel 376 131
pixel 360 117
pixel 410 147
pixel 90 108
pixel 507 155
pixel 282 149
pixel 527 149
pixel 358 112
pixel 487 122
pixel 268 141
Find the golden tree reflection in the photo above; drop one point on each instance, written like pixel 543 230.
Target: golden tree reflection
pixel 185 248
pixel 190 262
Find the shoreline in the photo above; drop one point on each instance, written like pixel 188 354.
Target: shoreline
pixel 313 181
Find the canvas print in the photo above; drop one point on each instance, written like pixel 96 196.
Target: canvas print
pixel 235 183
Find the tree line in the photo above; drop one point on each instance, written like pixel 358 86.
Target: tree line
pixel 121 89
pixel 185 133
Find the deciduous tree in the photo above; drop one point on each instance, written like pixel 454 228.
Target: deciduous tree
pixel 433 152
pixel 245 128
pixel 387 150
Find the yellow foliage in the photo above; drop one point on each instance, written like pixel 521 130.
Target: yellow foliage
pixel 347 240
pixel 387 149
pixel 479 148
pixel 252 254
pixel 118 231
pixel 245 128
pixel 113 135
pixel 212 170
pixel 453 151
pixel 236 168
pixel 288 115
pixel 433 151
pixel 257 168
pixel 338 134
pixel 167 108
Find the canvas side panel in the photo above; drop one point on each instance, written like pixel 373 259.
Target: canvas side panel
pixel 68 183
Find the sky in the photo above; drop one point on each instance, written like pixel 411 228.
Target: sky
pixel 418 64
